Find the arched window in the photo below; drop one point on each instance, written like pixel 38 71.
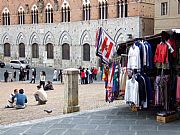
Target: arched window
pixel 50 51
pixel 34 14
pixel 86 10
pixel 65 12
pixel 21 50
pixel 6 17
pixel 35 50
pixel 122 7
pixel 7 50
pixel 65 52
pixel 49 14
pixel 103 9
pixel 21 18
pixel 86 52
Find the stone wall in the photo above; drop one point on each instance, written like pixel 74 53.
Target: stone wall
pixel 74 33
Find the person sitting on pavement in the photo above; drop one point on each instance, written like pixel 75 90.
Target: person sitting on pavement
pixel 10 101
pixel 40 95
pixel 48 86
pixel 21 100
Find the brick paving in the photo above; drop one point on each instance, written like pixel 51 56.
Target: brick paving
pixel 91 96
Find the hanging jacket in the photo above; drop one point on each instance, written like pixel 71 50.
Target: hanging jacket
pixel 161 54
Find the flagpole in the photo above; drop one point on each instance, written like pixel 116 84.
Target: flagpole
pixel 101 14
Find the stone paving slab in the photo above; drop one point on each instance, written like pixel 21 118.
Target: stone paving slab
pixel 96 122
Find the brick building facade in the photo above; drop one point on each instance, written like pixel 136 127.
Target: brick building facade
pixel 61 33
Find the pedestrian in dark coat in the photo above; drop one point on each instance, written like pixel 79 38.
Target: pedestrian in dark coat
pixel 14 75
pixel 6 75
pixel 27 73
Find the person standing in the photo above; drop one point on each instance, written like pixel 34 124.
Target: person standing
pixel 90 76
pixel 6 75
pixel 33 77
pixel 55 75
pixel 95 71
pixel 27 73
pixel 86 76
pixel 82 73
pixel 60 76
pixel 42 78
pixel 14 75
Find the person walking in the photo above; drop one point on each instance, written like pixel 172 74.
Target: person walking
pixel 6 75
pixel 33 77
pixel 55 75
pixel 42 78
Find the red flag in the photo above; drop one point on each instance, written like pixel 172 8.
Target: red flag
pixel 106 47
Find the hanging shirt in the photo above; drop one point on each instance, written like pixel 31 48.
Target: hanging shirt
pixel 132 92
pixel 134 58
pixel 161 54
pixel 149 58
pixel 141 51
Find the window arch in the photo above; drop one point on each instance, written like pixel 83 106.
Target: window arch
pixel 65 51
pixel 86 52
pixel 34 14
pixel 21 50
pixel 7 50
pixel 65 12
pixel 49 13
pixel 86 10
pixel 6 17
pixel 103 9
pixel 35 50
pixel 50 51
pixel 122 6
pixel 21 17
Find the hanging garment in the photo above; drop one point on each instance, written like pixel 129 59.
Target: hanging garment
pixel 141 51
pixel 122 80
pixel 161 91
pixel 134 58
pixel 178 89
pixel 173 45
pixel 149 58
pixel 142 90
pixel 148 88
pixel 132 92
pixel 161 54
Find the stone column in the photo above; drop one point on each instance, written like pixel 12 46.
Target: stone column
pixel 71 90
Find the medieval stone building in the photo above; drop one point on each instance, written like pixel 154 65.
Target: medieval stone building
pixel 61 33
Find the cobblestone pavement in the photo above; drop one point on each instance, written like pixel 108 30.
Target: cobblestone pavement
pixel 112 121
